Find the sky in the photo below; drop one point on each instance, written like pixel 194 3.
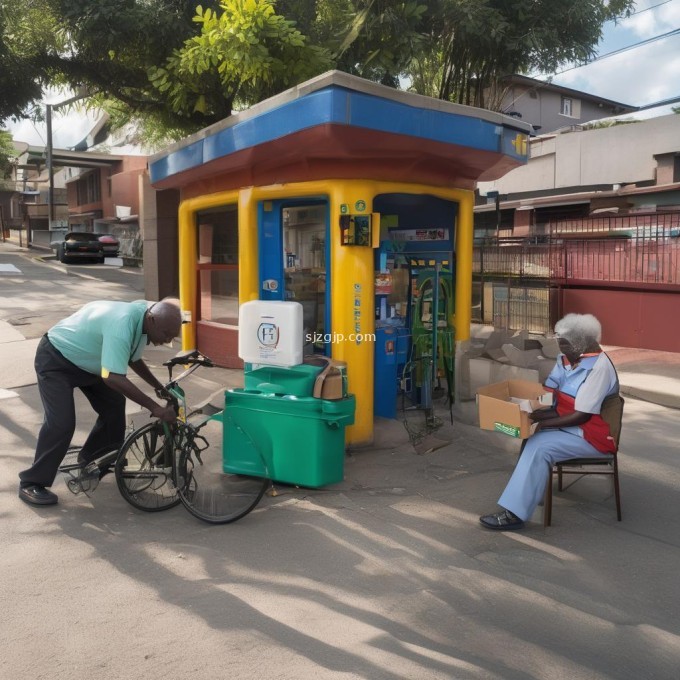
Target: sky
pixel 639 76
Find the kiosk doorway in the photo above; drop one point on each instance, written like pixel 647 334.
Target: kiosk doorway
pixel 295 265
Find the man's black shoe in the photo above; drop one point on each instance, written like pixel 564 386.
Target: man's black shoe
pixel 37 495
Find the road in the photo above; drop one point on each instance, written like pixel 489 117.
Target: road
pixel 385 576
pixel 44 290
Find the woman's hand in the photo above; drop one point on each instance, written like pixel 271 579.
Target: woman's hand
pixel 541 414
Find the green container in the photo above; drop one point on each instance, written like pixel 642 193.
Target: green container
pixel 296 380
pixel 295 440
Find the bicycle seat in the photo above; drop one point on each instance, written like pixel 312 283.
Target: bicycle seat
pixel 190 356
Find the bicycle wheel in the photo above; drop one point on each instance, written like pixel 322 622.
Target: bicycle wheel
pixel 144 469
pixel 205 489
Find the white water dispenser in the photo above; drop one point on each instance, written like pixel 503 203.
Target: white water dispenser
pixel 271 333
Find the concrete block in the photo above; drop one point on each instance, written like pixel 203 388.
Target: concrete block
pixel 522 358
pixel 496 340
pixel 486 372
pixel 496 355
pixel 550 348
pixel 474 351
pixel 519 338
pixel 544 366
pixel 533 343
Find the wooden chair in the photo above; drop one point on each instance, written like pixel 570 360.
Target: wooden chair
pixel 612 413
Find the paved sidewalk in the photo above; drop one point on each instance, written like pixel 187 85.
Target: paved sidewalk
pixel 385 576
pixel 648 374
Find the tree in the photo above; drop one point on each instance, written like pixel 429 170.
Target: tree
pixel 175 66
pixel 180 67
pixel 244 53
pixel 472 44
pixel 7 154
pixel 106 46
pixel 376 39
pixel 21 28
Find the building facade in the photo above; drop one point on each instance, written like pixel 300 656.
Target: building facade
pixel 590 224
pixel 547 107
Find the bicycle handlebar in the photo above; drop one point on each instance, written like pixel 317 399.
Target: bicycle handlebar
pixel 191 356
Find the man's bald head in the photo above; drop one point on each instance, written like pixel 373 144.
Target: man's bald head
pixel 163 321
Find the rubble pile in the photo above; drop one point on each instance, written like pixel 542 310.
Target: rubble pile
pixel 505 355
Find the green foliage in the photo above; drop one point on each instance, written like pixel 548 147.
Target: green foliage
pixel 7 154
pixel 377 38
pixel 106 46
pixel 175 67
pixel 25 32
pixel 243 53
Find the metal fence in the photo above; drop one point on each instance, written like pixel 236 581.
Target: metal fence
pixel 516 259
pixel 511 285
pixel 512 278
pixel 632 261
pixel 518 307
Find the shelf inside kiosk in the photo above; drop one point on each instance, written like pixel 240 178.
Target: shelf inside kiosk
pixel 414 307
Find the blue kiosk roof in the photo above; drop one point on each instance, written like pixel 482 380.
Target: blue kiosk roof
pixel 342 126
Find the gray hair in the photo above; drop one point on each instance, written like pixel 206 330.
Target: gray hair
pixel 582 331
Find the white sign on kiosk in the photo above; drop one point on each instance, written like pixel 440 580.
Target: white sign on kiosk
pixel 270 332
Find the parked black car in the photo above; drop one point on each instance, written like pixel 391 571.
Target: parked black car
pixel 79 245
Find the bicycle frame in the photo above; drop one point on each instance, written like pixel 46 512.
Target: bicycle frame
pixel 187 433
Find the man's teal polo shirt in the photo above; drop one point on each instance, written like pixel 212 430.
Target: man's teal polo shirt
pixel 102 337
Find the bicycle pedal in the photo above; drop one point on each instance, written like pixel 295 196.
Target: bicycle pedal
pixel 73 485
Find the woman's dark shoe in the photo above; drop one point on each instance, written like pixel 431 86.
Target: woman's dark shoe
pixel 37 495
pixel 502 521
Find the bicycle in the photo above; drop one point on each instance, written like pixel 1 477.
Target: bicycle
pixel 160 465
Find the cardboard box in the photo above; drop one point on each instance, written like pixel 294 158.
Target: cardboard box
pixel 478 372
pixel 498 412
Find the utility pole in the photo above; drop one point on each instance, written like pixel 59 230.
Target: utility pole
pixel 82 93
pixel 50 169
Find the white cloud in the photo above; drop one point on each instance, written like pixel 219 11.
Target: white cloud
pixel 638 77
pixel 643 25
pixel 654 22
pixel 67 129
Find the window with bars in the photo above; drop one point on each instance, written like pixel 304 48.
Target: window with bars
pixel 88 189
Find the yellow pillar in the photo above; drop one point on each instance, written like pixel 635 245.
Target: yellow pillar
pixel 464 242
pixel 352 307
pixel 248 248
pixel 188 256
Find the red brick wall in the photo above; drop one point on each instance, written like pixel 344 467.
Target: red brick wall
pixel 218 343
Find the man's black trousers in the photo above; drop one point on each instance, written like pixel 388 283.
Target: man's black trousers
pixel 57 380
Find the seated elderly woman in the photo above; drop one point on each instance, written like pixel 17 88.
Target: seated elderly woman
pixel 582 378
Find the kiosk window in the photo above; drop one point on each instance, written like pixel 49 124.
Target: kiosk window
pixel 304 240
pixel 218 266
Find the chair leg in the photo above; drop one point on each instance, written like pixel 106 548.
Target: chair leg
pixel 617 491
pixel 547 500
pixel 559 479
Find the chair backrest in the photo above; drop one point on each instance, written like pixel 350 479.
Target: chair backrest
pixel 612 414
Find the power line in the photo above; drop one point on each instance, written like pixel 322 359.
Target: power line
pixel 663 36
pixel 641 11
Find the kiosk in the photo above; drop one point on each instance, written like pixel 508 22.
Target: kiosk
pixel 307 195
